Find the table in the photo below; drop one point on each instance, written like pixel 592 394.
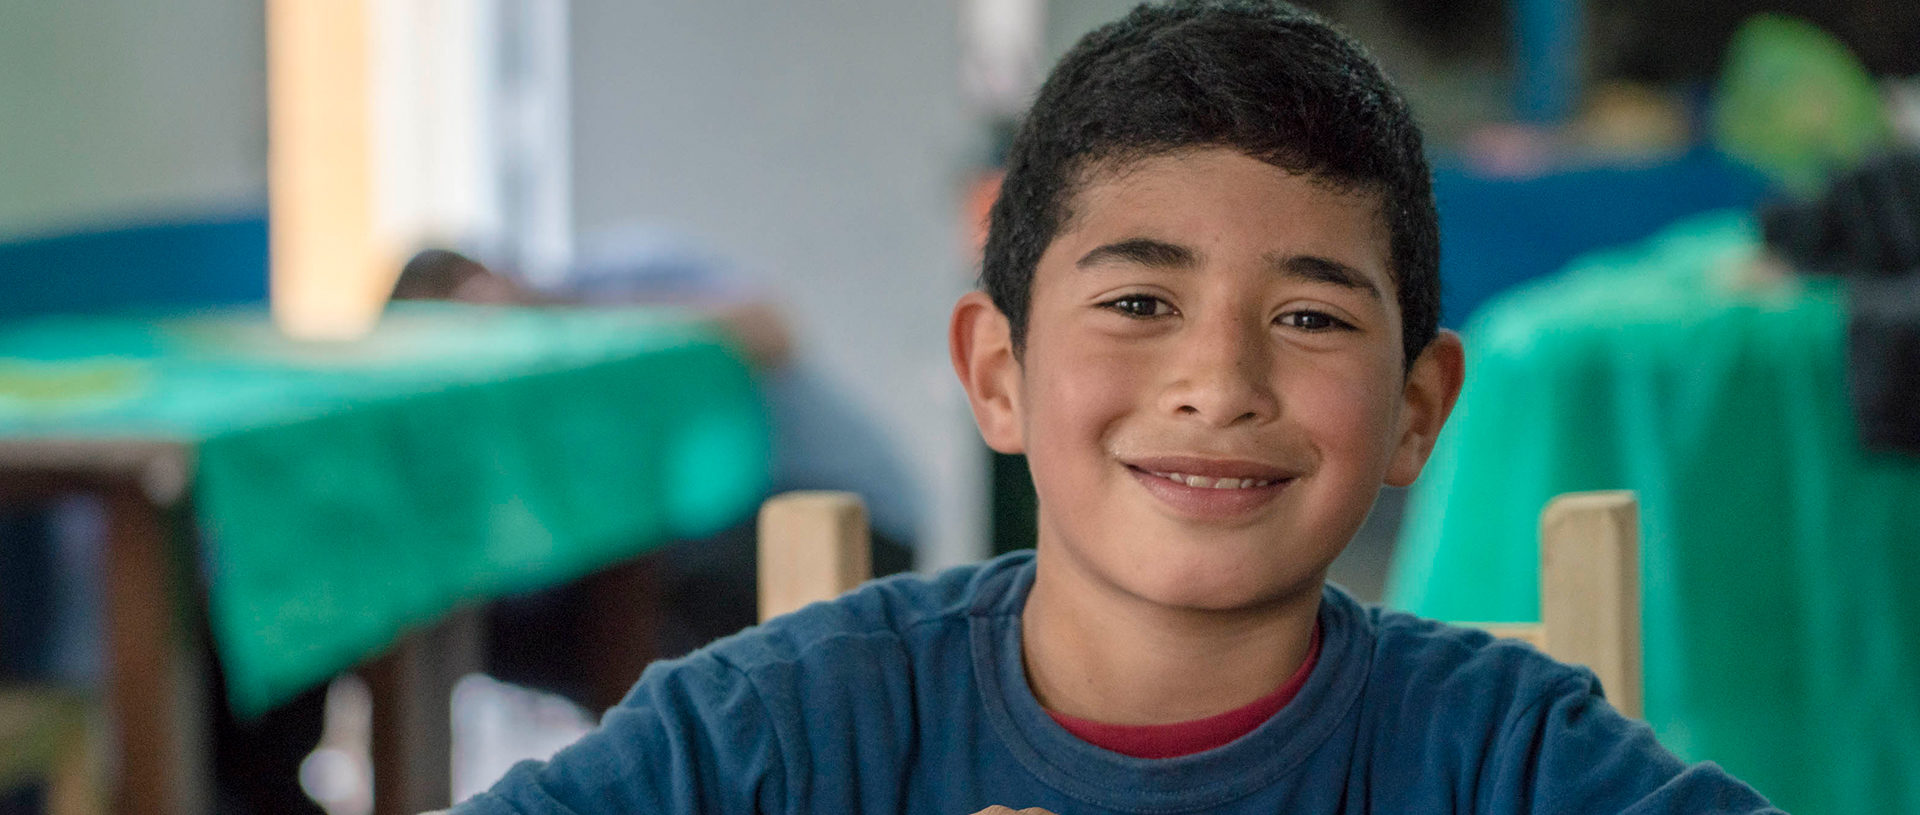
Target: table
pixel 347 494
pixel 1781 637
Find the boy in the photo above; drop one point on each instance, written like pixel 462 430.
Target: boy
pixel 1209 321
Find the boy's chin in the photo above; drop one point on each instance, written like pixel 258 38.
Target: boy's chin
pixel 1226 589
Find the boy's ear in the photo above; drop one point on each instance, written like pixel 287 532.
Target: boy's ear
pixel 1428 396
pixel 981 342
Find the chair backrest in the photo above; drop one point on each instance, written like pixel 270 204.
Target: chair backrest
pixel 814 546
pixel 1590 591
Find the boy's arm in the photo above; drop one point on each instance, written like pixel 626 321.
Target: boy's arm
pixel 693 736
pixel 1571 751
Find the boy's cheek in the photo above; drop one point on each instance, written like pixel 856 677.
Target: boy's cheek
pixel 1353 419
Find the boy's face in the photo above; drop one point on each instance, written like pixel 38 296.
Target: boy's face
pixel 1212 389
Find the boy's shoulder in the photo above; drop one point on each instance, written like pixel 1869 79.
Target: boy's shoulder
pixel 1525 730
pixel 1424 674
pixel 1452 659
pixel 903 612
pixel 1403 637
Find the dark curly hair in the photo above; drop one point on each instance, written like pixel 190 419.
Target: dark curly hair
pixel 1264 78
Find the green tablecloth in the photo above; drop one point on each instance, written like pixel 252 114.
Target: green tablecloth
pixel 1781 583
pixel 346 492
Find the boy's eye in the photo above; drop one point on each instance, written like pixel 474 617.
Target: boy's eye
pixel 1139 305
pixel 1313 321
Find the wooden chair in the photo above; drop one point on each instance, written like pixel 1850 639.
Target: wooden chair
pixel 813 546
pixel 1590 591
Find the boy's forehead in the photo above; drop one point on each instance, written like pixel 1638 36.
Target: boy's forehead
pixel 1132 194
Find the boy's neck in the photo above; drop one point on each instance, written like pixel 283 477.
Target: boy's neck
pixel 1094 652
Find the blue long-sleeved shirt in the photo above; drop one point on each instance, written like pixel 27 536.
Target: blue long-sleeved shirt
pixel 909 696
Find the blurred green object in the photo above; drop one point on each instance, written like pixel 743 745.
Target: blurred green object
pixel 347 492
pixel 1782 639
pixel 1796 104
pixel 57 387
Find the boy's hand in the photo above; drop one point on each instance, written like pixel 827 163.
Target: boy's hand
pixel 1000 810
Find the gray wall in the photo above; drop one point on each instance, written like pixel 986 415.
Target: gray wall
pixel 1066 20
pixel 127 109
pixel 821 148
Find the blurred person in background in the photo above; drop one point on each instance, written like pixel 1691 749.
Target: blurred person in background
pixel 1865 229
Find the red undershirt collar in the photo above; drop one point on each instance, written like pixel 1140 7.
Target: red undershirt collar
pixel 1198 735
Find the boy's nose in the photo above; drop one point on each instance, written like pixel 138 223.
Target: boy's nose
pixel 1222 376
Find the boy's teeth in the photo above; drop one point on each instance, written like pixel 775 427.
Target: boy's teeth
pixel 1206 483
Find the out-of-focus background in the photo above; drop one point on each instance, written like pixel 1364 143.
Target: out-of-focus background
pixel 697 253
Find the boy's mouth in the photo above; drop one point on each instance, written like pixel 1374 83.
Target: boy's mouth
pixel 1209 473
pixel 1209 488
pixel 1208 483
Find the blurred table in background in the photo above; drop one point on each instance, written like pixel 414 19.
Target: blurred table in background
pixel 346 494
pixel 1780 559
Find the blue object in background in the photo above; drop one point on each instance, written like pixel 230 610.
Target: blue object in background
pixel 24 601
pixel 217 261
pixel 1499 231
pixel 1549 37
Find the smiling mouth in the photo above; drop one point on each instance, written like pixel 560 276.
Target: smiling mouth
pixel 1210 483
pixel 1221 492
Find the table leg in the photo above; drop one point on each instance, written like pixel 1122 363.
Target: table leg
pixel 622 628
pixel 155 761
pixel 412 687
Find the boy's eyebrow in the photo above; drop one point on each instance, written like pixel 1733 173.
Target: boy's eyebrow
pixel 1324 270
pixel 1140 251
pixel 1163 255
